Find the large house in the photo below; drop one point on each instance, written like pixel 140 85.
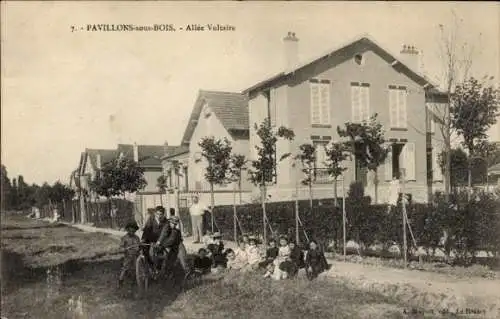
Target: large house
pixel 218 114
pixel 349 84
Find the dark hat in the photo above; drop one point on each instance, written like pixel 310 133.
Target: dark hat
pixel 160 208
pixel 131 225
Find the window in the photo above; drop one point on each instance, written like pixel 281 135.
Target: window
pixel 360 102
pixel 358 59
pixel 407 161
pixel 397 106
pixel 400 156
pixel 320 170
pixel 320 102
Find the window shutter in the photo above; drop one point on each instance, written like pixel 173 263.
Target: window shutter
pixel 325 103
pixel 355 103
pixel 408 161
pixel 402 108
pixel 393 107
pixel 320 155
pixel 437 174
pixel 315 104
pixel 365 105
pixel 388 163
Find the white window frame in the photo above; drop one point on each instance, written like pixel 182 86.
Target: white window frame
pixel 323 109
pixel 360 112
pixel 398 97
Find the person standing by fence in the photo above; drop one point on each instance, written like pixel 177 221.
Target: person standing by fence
pixel 197 210
pixel 113 214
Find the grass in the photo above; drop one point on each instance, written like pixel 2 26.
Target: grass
pixel 89 270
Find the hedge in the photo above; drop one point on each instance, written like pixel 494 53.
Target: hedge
pixel 472 226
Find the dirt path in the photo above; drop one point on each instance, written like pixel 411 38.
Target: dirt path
pixel 431 291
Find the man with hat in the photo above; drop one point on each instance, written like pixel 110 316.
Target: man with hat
pixel 197 210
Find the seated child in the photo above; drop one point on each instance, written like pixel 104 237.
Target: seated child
pixel 271 254
pixel 283 255
pixel 202 263
pixel 297 259
pixel 130 244
pixel 236 261
pixel 207 239
pixel 315 261
pixel 216 249
pixel 253 254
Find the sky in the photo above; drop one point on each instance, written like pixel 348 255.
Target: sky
pixel 65 91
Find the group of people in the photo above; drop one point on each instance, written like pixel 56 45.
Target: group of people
pixel 279 262
pixel 161 243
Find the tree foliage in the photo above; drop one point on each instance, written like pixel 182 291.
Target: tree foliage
pixel 217 153
pixel 263 169
pixel 237 165
pixel 336 153
pixel 366 143
pixel 458 167
pixel 118 177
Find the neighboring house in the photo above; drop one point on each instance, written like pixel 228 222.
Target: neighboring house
pixel 91 161
pixel 218 114
pixel 349 84
pixel 149 158
pixel 494 174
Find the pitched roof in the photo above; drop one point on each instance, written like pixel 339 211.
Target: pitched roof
pixel 230 108
pixel 149 155
pixel 365 41
pixel 176 150
pixel 106 156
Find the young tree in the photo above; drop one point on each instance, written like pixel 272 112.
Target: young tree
pixel 118 177
pixel 263 170
pixel 456 55
pixel 6 189
pixel 217 153
pixel 473 111
pixel 307 158
pixel 161 184
pixel 459 167
pixel 366 141
pixel 336 153
pixel 237 165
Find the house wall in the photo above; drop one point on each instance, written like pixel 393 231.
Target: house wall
pixel 151 176
pixel 210 126
pixel 379 74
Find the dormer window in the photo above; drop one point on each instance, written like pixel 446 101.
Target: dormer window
pixel 359 59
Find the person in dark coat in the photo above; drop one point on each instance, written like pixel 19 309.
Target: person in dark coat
pixel 271 254
pixel 315 261
pixel 297 259
pixel 169 241
pixel 202 263
pixel 152 230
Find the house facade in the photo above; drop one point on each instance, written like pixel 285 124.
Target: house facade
pixel 218 114
pixel 350 84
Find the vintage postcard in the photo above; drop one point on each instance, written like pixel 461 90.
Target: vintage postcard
pixel 250 159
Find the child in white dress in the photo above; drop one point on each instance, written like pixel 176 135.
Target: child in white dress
pixel 253 254
pixel 283 255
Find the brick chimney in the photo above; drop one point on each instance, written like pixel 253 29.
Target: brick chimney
pixel 136 153
pixel 291 48
pixel 412 57
pixel 98 161
pixel 165 148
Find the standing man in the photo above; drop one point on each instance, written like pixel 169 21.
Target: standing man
pixel 197 210
pixel 113 213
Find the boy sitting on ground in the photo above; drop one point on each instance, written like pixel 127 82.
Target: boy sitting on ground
pixel 236 261
pixel 202 263
pixel 130 245
pixel 207 239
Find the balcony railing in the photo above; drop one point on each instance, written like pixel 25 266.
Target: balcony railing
pixel 321 176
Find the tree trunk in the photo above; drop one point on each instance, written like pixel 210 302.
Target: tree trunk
pixel 335 193
pixel 239 189
pixel 235 217
pixel 212 204
pixel 469 180
pixel 447 145
pixel 310 194
pixel 375 184
pixel 264 216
